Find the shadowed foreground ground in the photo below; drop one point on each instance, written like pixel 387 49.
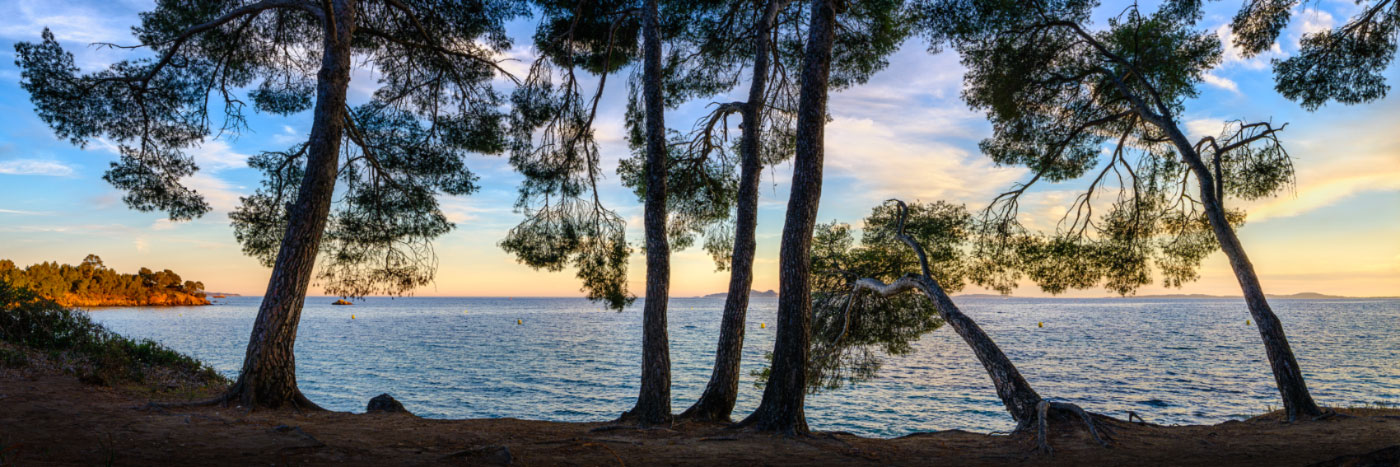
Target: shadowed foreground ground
pixel 47 417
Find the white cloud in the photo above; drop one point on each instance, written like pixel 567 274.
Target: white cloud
pixel 887 162
pixel 35 167
pixel 76 26
pixel 1234 56
pixel 1313 21
pixel 1220 82
pixel 220 194
pixel 24 213
pixel 289 136
pixel 216 155
pixel 1203 127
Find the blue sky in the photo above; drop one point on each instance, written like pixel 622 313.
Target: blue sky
pixel 904 134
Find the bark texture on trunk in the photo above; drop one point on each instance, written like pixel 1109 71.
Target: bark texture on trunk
pixel 654 400
pixel 781 409
pixel 268 378
pixel 717 402
pixel 1287 374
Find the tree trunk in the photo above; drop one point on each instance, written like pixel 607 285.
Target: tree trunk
pixel 1015 393
pixel 1287 374
pixel 717 402
pixel 654 401
pixel 781 408
pixel 268 378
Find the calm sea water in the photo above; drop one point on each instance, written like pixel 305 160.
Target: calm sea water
pixel 1172 361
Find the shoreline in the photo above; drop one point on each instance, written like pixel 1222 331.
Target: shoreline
pixel 51 418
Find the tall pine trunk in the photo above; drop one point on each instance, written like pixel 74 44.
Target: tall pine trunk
pixel 268 378
pixel 717 402
pixel 781 409
pixel 654 401
pixel 1287 374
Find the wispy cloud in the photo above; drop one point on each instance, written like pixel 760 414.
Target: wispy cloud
pixel 1338 159
pixel 18 212
pixel 221 195
pixel 1328 186
pixel 35 167
pixel 1220 82
pixel 216 155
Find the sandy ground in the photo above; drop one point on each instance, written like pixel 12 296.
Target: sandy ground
pixel 49 418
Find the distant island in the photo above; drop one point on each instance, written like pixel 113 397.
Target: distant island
pixel 91 284
pixel 752 293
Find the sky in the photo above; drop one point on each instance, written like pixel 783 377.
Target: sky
pixel 904 134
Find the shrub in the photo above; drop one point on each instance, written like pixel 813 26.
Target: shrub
pixel 104 357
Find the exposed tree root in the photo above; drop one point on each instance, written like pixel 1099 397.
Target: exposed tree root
pixel 703 412
pixel 238 393
pixel 1100 433
pixel 1329 413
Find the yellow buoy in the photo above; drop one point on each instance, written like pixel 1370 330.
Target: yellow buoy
pixel 1040 324
pixel 352 316
pixel 763 325
pixel 518 322
pixel 1246 322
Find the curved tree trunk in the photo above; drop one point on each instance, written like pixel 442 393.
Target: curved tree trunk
pixel 1287 374
pixel 268 378
pixel 781 408
pixel 1015 393
pixel 717 402
pixel 654 401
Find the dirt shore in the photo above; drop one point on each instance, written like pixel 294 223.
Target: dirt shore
pixel 49 418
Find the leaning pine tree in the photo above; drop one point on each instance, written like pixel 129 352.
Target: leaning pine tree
pixel 1064 100
pixel 360 194
pixel 862 312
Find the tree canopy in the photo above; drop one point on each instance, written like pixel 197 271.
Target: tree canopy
pixel 1072 103
pixel 852 328
pixel 1344 64
pixel 212 60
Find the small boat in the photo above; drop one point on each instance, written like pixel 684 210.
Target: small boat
pixel 220 296
pixel 342 302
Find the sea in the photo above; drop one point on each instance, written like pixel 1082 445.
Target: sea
pixel 1171 361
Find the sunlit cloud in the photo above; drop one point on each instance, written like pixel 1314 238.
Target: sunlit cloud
pixel 888 164
pixel 216 155
pixel 1220 82
pixel 221 195
pixel 1322 190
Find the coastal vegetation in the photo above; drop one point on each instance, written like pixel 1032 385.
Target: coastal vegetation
pixel 92 283
pixel 37 331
